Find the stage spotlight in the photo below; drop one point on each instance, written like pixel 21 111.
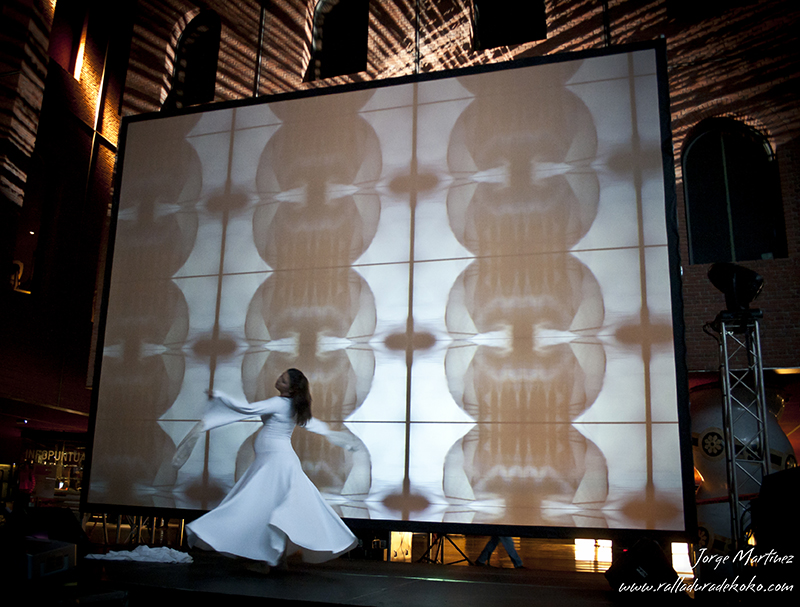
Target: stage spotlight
pixel 739 285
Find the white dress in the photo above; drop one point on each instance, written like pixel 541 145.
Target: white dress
pixel 273 508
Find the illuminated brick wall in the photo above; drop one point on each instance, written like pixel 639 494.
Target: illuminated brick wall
pixel 740 64
pixel 23 56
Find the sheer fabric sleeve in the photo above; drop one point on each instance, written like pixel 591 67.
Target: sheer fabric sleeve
pixel 222 410
pixel 337 437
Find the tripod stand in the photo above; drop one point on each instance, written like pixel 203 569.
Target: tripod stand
pixel 436 549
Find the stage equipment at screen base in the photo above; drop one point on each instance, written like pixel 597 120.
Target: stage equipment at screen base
pixel 774 522
pixel 435 551
pixel 137 529
pixel 777 531
pixel 643 563
pixel 372 545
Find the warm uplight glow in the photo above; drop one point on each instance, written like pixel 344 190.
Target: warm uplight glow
pixel 49 9
pixel 787 371
pixel 401 546
pixel 680 560
pixel 594 555
pixel 698 479
pixel 79 56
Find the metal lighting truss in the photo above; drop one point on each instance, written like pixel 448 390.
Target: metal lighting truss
pixel 744 412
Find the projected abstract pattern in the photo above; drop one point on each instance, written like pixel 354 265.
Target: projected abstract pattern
pixel 473 272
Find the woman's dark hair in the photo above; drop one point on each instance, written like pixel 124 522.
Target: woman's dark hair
pixel 301 396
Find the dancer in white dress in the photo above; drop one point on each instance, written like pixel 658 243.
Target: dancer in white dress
pixel 273 510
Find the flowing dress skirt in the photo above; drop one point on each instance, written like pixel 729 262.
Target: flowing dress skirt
pixel 273 509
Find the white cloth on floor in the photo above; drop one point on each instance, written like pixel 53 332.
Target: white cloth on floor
pixel 159 554
pixel 273 508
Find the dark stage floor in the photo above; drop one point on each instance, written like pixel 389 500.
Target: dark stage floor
pixel 214 578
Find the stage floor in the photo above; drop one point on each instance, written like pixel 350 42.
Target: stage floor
pixel 343 582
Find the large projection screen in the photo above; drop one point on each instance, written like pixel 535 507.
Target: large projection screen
pixel 478 273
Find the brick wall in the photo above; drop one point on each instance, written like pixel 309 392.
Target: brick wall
pixel 739 64
pixel 23 61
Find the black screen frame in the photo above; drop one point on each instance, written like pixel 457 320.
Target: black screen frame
pixel 681 379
